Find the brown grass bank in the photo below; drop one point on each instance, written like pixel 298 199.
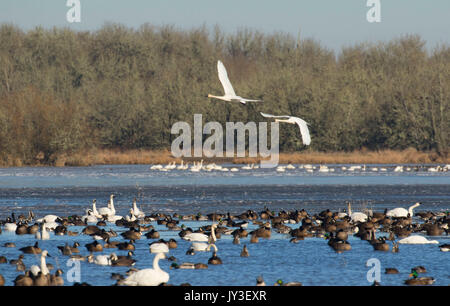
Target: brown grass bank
pixel 116 156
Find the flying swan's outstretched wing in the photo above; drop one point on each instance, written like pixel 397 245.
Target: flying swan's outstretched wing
pixel 223 77
pixel 302 124
pixel 273 116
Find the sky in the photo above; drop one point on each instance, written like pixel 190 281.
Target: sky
pixel 334 23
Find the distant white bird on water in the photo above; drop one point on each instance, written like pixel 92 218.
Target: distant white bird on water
pixel 416 239
pixel 230 95
pixel 402 212
pixel 302 124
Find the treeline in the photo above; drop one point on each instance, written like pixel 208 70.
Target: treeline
pixel 63 91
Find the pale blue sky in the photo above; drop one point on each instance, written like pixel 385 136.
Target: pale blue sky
pixel 335 23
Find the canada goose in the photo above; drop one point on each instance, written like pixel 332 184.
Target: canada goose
pixel 31 249
pixel 123 260
pixel 41 280
pixel 110 244
pixel 379 244
pixel 245 252
pixel 91 230
pixel 24 280
pixel 56 279
pixel 68 250
pixel 94 247
pixel 254 239
pixel 3 260
pixel 127 246
pixel 395 247
pixel 391 271
pixel 9 245
pixel 152 234
pixel 445 247
pixel 132 234
pixel 15 261
pixel 172 244
pixel 148 277
pixel 214 260
pixel 337 244
pixel 236 240
pixel 21 229
pixel 260 281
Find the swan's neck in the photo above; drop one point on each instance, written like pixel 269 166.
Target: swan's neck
pixel 214 246
pixel 94 209
pixel 112 205
pixel 410 210
pixel 44 269
pixel 156 262
pixel 213 234
pixel 349 208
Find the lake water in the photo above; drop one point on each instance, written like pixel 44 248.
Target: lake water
pixel 66 191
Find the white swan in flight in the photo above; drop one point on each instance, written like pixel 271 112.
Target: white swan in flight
pixel 230 95
pixel 302 124
pixel 402 212
pixel 416 239
pixel 148 277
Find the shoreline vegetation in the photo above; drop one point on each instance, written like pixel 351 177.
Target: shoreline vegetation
pixel 142 156
pixel 113 95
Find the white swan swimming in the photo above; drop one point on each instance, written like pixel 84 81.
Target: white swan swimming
pixel 131 217
pixel 356 216
pixel 159 247
pixel 230 95
pixel 104 260
pixel 94 210
pixel 136 211
pixel 43 234
pixel 202 246
pixel 89 218
pixel 148 277
pixel 416 239
pixel 401 212
pixel 35 269
pixel 196 237
pixel 302 124
pixel 48 219
pixel 110 210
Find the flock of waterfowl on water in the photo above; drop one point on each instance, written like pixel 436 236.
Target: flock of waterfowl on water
pixel 393 227
pixel 199 166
